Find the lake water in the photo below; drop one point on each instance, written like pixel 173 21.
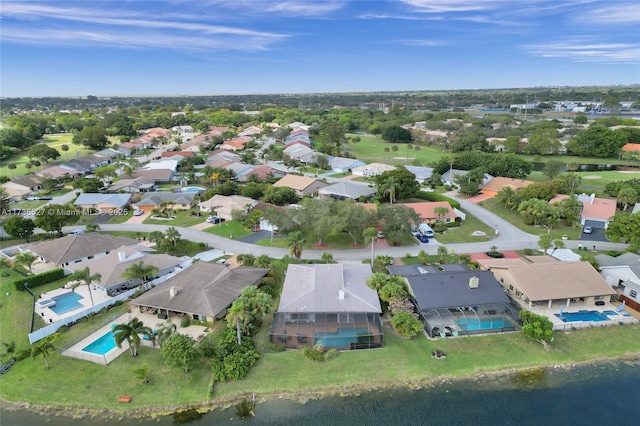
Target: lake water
pixel 605 394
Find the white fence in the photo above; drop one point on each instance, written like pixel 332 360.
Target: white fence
pixel 53 327
pixel 592 324
pixel 95 358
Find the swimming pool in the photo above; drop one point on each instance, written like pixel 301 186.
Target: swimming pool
pixel 473 324
pixel 66 302
pixel 341 338
pixel 102 345
pixel 192 189
pixel 582 316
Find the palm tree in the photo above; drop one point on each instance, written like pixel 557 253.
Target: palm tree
pixel 155 236
pixel 172 235
pixel 370 236
pixel 441 212
pixel 83 276
pixel 164 330
pixel 442 251
pixel 130 332
pixel 143 373
pixel 43 347
pixel 238 314
pixel 327 257
pixel 27 259
pixel 140 271
pixel 4 265
pixel 295 241
pixel 389 188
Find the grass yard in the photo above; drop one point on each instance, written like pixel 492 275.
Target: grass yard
pixel 371 149
pixel 230 227
pixel 463 233
pixel 340 241
pixel 121 218
pixel 182 218
pixel 592 181
pixel 556 232
pixel 29 205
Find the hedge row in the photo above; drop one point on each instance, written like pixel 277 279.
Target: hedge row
pixel 39 279
pixel 434 196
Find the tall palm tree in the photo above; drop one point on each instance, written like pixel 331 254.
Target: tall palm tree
pixel 43 347
pixel 140 271
pixel 370 236
pixel 83 276
pixel 26 258
pixel 441 212
pixel 130 332
pixel 172 235
pixel 238 314
pixel 442 251
pixel 295 241
pixel 389 188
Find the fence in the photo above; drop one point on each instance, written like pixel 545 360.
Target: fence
pixel 52 328
pixel 96 359
pixel 593 324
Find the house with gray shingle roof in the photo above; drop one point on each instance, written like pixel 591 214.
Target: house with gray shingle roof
pixel 422 174
pixel 203 291
pixel 622 272
pixel 103 203
pixel 343 190
pixel 174 200
pixel 329 304
pixel 112 266
pixel 343 164
pixel 77 248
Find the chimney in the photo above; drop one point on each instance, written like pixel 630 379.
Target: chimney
pixel 173 291
pixel 474 281
pixel 341 294
pixel 121 256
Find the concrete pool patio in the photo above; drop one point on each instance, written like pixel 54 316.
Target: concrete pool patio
pixel 49 316
pixel 76 349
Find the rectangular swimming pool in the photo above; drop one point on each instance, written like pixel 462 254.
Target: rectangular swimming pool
pixel 66 302
pixel 582 316
pixel 102 345
pixel 341 338
pixel 473 324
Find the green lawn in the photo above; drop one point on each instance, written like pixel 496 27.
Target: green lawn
pixel 371 149
pixel 515 219
pixel 182 218
pixel 230 227
pixel 592 181
pixel 121 218
pixel 55 141
pixel 463 233
pixel 29 205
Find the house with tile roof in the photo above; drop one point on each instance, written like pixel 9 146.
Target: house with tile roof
pixel 426 211
pixel 596 212
pixel 172 200
pixel 111 267
pixel 493 186
pixel 76 248
pixel 235 144
pixel 203 291
pixel 139 184
pixel 262 172
pixel 330 304
pixel 22 186
pixel 57 172
pixel 224 205
pixel 370 170
pixel 157 175
pixel 546 286
pixel 631 147
pixel 302 185
pixel 103 203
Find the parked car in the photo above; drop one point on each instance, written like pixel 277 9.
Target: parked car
pixel 76 231
pixel 422 238
pixel 222 262
pixel 587 230
pixel 137 212
pixel 215 219
pixel 380 234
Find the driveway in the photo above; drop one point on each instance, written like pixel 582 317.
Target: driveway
pixel 138 219
pixel 254 237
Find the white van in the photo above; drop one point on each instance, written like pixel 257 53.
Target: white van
pixel 425 229
pixel 76 231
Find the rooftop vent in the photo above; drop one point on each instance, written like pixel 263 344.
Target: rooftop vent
pixel 121 256
pixel 474 281
pixel 341 294
pixel 173 291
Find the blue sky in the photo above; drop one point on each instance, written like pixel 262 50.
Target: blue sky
pixel 139 47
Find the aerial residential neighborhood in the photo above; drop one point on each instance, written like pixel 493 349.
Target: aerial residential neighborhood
pixel 319 212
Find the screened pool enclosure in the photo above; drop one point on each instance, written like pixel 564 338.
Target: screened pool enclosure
pixel 482 319
pixel 342 331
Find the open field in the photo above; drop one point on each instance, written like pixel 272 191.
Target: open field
pixel 371 149
pixel 231 228
pixel 593 181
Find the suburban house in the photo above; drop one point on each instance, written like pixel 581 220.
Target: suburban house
pixel 77 165
pixel 203 291
pixel 75 248
pixel 139 184
pixel 631 147
pixel 426 211
pixel 344 189
pixel 301 152
pixel 596 212
pixel 449 177
pixel 623 273
pixel 370 170
pixel 103 203
pixel 182 154
pixel 113 265
pixel 127 148
pixel 250 131
pixel 224 205
pixel 163 163
pixel 157 175
pixel 261 172
pixel 329 304
pixel 235 144
pixel 343 164
pixel 57 172
pixel 536 283
pixel 422 174
pixel 302 185
pixel 172 200
pixel 457 300
pixel 22 186
pixel 497 183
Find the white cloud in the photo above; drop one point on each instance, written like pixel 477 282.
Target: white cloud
pixel 586 49
pixel 421 43
pixel 617 13
pixel 444 6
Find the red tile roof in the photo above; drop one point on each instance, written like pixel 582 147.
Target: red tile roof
pixel 425 210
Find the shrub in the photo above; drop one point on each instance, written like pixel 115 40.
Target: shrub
pixel 185 321
pixel 40 279
pixel 319 353
pixel 434 196
pixel 274 347
pixel 233 361
pixel 528 251
pixel 406 324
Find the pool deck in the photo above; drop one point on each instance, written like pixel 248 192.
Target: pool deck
pixel 558 324
pixel 48 316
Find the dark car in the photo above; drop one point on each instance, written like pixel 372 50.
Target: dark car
pixel 423 238
pixel 215 219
